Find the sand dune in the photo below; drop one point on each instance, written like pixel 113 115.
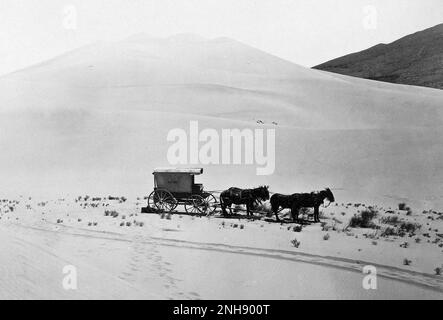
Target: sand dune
pixel 101 113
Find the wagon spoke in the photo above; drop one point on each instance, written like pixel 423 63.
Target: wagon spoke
pixel 194 205
pixel 210 203
pixel 164 200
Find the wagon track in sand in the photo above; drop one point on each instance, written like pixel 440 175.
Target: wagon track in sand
pixel 419 279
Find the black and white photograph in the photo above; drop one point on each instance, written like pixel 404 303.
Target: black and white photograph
pixel 221 150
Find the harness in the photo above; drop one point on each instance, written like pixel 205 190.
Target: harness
pixel 239 195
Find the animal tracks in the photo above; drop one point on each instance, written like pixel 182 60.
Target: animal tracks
pixel 146 249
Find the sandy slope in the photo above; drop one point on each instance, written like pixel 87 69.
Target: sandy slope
pixel 96 120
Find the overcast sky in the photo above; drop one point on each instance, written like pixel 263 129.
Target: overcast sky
pixel 306 32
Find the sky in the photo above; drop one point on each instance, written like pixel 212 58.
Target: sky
pixel 306 32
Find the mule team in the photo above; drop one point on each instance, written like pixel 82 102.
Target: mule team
pixel 294 202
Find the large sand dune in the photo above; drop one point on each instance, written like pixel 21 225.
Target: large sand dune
pixel 96 120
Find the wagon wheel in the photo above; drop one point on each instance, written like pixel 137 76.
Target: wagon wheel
pixel 163 200
pixel 195 205
pixel 210 203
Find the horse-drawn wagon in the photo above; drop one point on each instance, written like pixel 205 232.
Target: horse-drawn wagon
pixel 174 187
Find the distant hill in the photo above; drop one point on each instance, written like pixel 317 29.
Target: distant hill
pixel 416 59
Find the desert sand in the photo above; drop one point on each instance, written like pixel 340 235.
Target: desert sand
pixel 94 121
pixel 149 256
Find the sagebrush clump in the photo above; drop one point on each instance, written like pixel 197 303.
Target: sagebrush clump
pixel 295 243
pixel 111 213
pixel 409 226
pixel 390 220
pixel 364 219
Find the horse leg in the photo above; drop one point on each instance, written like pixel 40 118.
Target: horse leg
pixel 223 206
pixel 248 209
pixel 294 213
pixel 316 214
pixel 275 210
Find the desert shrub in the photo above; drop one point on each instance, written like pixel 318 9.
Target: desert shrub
pixel 111 213
pixel 264 208
pixel 437 271
pixel 326 236
pixel 404 245
pixel 390 220
pixel 409 226
pixel 363 219
pixel 295 243
pixel 297 228
pixel 407 262
pixel 402 206
pixel 389 231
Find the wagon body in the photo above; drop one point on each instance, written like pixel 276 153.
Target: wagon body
pixel 179 182
pixel 173 187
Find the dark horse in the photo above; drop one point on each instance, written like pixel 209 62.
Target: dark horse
pixel 249 197
pixel 301 200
